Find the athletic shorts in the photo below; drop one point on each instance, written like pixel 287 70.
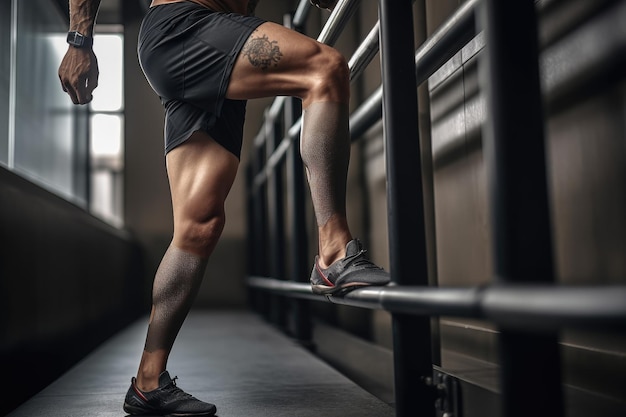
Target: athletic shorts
pixel 187 53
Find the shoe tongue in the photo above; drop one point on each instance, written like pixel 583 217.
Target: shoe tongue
pixel 164 378
pixel 353 247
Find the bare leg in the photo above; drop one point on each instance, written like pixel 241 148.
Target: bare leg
pixel 325 150
pixel 277 61
pixel 201 173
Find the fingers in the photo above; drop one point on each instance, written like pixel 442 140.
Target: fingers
pixel 85 90
pixel 80 93
pixel 79 76
pixel 69 89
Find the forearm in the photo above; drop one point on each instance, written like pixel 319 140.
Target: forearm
pixel 78 71
pixel 83 15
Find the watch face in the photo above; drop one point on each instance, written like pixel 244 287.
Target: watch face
pixel 77 39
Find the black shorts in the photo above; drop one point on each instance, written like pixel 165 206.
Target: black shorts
pixel 187 53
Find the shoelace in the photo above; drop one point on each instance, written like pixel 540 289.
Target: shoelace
pixel 360 260
pixel 177 392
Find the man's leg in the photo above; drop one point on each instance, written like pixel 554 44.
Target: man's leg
pixel 278 61
pixel 201 173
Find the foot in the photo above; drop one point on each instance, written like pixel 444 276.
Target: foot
pixel 353 271
pixel 167 399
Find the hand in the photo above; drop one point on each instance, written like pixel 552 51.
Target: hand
pixel 78 73
pixel 324 4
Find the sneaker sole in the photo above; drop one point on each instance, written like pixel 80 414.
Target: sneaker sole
pixel 135 411
pixel 338 290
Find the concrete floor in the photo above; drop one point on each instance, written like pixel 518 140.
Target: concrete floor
pixel 232 359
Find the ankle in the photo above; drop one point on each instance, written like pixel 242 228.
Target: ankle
pixel 151 366
pixel 330 251
pixel 148 378
pixel 334 235
pixel 146 384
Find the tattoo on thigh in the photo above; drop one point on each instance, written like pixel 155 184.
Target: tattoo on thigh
pixel 261 52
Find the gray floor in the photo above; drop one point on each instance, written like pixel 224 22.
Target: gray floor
pixel 233 359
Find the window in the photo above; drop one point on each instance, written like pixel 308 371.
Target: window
pixel 73 151
pixel 106 129
pixel 46 133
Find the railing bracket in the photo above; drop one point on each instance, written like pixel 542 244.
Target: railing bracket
pixel 446 394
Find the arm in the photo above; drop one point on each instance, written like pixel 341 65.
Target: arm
pixel 78 71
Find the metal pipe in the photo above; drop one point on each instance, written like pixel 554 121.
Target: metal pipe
pixel 296 202
pixel 301 13
pixel 365 53
pixel 337 21
pixel 514 148
pixel 407 236
pixel 446 41
pixel 367 114
pixel 276 218
pixel 542 307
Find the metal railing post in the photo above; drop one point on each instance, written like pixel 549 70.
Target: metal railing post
pixel 258 245
pixel 276 216
pixel 296 203
pixel 516 161
pixel 407 234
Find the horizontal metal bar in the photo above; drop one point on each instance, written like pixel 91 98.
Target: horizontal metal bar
pixel 339 18
pixel 301 14
pixel 367 114
pixel 276 157
pixel 273 112
pixel 538 307
pixel 548 306
pixel 446 41
pixel 365 53
pixel 436 50
pixel 287 288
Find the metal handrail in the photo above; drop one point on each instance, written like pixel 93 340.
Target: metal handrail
pixel 339 18
pixel 442 45
pixel 525 302
pixel 527 306
pixel 557 305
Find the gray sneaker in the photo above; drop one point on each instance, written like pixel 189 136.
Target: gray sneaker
pixel 168 400
pixel 353 271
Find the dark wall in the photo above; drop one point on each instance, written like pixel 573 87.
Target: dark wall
pixel 67 282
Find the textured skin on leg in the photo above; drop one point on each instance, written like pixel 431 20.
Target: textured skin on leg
pixel 325 150
pixel 175 288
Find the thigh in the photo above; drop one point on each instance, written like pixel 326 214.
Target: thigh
pixel 201 173
pixel 187 51
pixel 277 61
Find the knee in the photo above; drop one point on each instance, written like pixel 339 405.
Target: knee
pixel 200 236
pixel 331 80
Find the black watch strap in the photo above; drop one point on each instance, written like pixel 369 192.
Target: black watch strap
pixel 78 40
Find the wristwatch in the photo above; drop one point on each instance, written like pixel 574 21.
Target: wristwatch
pixel 78 40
